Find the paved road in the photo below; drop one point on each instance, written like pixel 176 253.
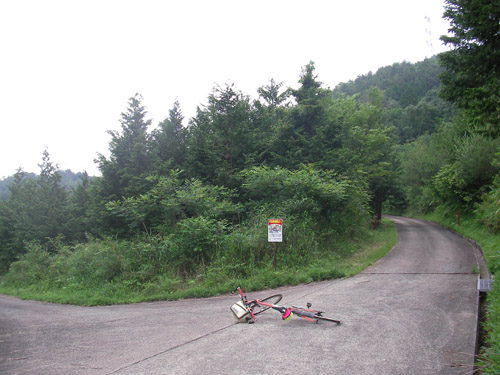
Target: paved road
pixel 413 312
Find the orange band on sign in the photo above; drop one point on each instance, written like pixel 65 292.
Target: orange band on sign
pixel 274 221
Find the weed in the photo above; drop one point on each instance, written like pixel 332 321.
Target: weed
pixel 108 271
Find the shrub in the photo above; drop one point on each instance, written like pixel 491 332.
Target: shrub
pixel 323 196
pixel 195 242
pixel 31 268
pixel 171 200
pixel 93 263
pixel 464 181
pixel 488 210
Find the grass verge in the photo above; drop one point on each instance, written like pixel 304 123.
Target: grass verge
pixel 348 258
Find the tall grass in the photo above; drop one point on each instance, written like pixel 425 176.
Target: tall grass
pixel 200 240
pixel 109 271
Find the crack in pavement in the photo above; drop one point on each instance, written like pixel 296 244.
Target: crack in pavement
pixel 170 349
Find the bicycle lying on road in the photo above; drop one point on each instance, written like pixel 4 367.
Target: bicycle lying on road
pixel 246 309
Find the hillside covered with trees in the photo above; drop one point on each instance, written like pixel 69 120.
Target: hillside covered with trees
pixel 69 180
pixel 353 132
pixel 305 155
pixel 183 201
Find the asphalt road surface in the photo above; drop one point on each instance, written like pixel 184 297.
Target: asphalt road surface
pixel 413 312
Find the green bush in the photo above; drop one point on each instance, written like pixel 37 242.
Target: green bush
pixel 195 242
pixel 245 245
pixel 31 268
pixel 92 263
pixel 171 200
pixel 323 196
pixel 461 183
pixel 488 210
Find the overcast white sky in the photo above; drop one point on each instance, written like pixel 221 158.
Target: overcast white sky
pixel 68 67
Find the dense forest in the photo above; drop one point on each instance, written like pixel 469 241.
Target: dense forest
pixel 188 199
pixel 325 157
pixel 333 156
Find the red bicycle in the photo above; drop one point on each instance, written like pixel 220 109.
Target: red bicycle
pixel 246 309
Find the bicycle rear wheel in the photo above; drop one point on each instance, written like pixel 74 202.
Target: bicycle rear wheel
pixel 273 300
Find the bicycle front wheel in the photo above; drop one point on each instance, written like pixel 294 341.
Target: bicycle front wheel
pixel 272 300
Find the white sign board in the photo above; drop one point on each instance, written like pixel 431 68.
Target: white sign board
pixel 275 230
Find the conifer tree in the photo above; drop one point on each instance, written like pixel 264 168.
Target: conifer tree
pixel 131 157
pixel 170 141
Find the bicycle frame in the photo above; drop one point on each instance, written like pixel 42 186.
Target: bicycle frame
pixel 307 314
pixel 248 304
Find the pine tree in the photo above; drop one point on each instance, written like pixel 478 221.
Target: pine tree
pixel 170 141
pixel 221 138
pixel 131 155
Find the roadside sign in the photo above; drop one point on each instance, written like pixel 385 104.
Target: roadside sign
pixel 275 230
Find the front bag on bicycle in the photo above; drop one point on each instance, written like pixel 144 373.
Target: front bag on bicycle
pixel 240 311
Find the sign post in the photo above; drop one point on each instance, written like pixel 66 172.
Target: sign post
pixel 274 234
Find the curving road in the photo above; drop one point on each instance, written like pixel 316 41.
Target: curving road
pixel 413 312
